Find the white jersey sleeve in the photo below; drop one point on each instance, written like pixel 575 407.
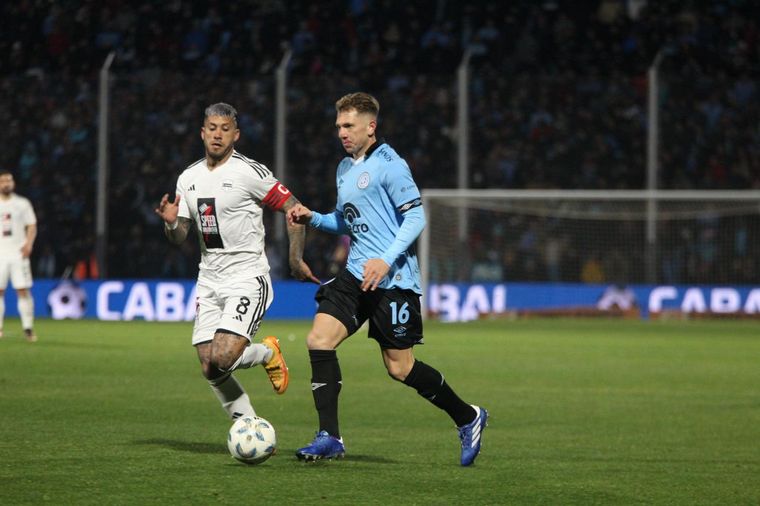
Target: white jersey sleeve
pixel 259 183
pixel 28 216
pixel 184 211
pixel 263 186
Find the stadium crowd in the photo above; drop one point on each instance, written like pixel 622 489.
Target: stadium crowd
pixel 558 100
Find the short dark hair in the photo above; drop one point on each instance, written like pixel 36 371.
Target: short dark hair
pixel 362 102
pixel 223 110
pixel 5 171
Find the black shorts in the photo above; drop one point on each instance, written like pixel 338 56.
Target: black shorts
pixel 394 315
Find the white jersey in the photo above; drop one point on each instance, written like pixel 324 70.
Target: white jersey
pixel 227 205
pixel 16 213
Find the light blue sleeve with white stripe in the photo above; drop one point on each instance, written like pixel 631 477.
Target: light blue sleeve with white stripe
pixel 411 228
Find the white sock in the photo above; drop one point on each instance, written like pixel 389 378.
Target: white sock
pixel 2 310
pixel 26 311
pixel 253 354
pixel 232 396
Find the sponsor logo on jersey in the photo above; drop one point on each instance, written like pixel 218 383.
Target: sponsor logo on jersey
pixel 209 223
pixel 382 152
pixel 192 188
pixel 6 224
pixel 351 213
pixel 227 185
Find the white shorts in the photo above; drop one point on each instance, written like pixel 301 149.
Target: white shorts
pixel 235 306
pixel 18 270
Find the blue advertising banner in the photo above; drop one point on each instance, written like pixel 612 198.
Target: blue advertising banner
pixel 151 300
pixel 174 300
pixel 464 302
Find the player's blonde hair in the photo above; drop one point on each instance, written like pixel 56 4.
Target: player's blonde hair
pixel 362 102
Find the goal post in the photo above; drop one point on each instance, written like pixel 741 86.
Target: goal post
pixel 591 236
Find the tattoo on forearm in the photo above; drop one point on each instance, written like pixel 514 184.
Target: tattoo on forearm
pixel 179 234
pixel 289 203
pixel 297 238
pixel 296 233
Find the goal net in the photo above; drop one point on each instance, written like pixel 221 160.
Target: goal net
pixel 620 237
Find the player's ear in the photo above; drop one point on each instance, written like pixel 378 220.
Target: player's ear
pixel 203 133
pixel 237 134
pixel 371 126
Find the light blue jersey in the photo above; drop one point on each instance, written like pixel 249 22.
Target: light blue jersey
pixel 376 195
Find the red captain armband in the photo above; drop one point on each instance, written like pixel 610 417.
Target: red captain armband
pixel 277 196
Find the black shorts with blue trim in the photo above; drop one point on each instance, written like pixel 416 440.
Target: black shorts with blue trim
pixel 395 320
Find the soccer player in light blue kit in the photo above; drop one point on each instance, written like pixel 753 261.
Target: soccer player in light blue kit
pixel 379 207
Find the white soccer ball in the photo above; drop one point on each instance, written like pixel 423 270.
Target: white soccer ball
pixel 251 439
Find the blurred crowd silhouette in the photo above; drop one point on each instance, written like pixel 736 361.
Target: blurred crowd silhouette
pixel 558 99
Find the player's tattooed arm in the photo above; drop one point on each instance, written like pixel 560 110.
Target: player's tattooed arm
pixel 179 234
pixel 296 234
pixel 175 227
pixel 297 237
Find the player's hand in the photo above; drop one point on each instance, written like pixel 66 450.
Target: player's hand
pixel 374 271
pixel 26 250
pixel 299 214
pixel 301 271
pixel 168 211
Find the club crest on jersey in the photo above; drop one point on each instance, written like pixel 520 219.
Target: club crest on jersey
pixel 363 180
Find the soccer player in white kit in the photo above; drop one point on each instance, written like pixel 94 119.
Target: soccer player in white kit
pixel 18 229
pixel 223 195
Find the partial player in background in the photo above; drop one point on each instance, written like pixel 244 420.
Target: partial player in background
pixel 379 207
pixel 18 229
pixel 223 196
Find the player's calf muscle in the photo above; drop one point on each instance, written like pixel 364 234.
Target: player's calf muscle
pixel 204 357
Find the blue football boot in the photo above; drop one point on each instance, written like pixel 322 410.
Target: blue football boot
pixel 324 446
pixel 470 436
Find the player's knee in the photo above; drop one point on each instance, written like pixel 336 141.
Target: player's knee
pixel 222 361
pixel 320 340
pixel 21 293
pixel 396 376
pixel 226 351
pixel 397 371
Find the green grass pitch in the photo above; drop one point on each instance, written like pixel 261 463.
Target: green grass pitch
pixel 582 412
